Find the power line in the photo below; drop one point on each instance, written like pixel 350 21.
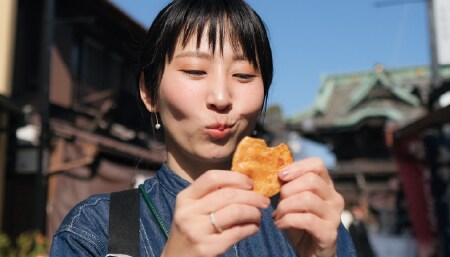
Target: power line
pixel 435 77
pixel 392 3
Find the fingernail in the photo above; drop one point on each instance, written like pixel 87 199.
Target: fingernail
pixel 283 174
pixel 250 183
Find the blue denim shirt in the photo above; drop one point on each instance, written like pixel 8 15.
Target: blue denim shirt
pixel 84 231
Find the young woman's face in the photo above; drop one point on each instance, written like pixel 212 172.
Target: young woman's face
pixel 208 102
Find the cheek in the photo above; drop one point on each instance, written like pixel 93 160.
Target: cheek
pixel 176 96
pixel 252 99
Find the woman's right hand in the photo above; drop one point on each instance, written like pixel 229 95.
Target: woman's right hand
pixel 235 207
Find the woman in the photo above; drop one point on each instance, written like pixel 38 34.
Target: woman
pixel 206 69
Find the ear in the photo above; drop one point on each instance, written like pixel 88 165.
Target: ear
pixel 145 96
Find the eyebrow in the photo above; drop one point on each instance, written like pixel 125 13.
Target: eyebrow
pixel 207 56
pixel 202 55
pixel 239 57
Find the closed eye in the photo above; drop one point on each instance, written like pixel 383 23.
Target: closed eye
pixel 244 77
pixel 194 73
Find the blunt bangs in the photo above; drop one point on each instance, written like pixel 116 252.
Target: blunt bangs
pixel 181 20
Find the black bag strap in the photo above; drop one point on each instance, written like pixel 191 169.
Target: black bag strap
pixel 124 210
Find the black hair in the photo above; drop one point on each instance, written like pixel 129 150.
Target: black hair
pixel 181 19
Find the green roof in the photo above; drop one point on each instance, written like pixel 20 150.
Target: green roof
pixel 348 99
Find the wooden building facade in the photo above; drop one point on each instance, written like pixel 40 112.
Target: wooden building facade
pixel 98 135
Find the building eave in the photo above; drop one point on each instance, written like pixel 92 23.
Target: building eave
pixel 123 16
pixel 107 144
pixel 432 119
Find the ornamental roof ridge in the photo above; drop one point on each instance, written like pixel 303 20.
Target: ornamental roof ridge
pixel 341 95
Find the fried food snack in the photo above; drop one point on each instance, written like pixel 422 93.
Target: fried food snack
pixel 261 163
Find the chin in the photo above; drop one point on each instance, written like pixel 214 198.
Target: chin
pixel 218 158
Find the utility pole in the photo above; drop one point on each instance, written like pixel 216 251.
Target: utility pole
pixel 46 53
pixel 435 76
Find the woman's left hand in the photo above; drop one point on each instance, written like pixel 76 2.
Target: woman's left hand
pixel 309 209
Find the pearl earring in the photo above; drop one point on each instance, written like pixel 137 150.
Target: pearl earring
pixel 157 125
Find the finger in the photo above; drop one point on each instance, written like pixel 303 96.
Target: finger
pixel 299 168
pixel 216 179
pixel 324 233
pixel 219 221
pixel 307 182
pixel 236 215
pixel 305 202
pixel 226 196
pixel 231 236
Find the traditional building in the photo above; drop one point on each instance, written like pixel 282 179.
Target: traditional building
pixel 89 133
pixel 421 150
pixel 352 115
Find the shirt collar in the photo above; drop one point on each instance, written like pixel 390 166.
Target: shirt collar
pixel 170 180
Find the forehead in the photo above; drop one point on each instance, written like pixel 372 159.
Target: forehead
pixel 215 35
pixel 204 42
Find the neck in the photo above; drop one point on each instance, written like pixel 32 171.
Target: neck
pixel 192 169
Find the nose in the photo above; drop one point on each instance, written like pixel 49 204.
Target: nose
pixel 219 96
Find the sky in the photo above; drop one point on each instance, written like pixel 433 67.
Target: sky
pixel 315 38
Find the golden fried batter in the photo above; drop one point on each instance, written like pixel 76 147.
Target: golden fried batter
pixel 261 163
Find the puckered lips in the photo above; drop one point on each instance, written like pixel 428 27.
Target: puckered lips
pixel 219 131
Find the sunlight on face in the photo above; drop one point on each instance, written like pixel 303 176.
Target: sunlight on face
pixel 208 101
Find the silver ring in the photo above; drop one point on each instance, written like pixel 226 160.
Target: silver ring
pixel 212 218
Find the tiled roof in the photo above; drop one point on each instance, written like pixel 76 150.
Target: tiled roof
pixel 346 100
pixel 122 13
pixel 116 15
